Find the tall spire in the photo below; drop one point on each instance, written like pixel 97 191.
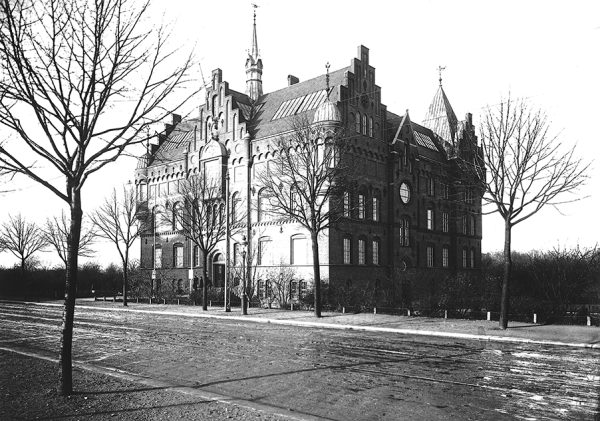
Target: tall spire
pixel 254 51
pixel 254 66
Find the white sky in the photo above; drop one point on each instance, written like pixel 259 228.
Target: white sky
pixel 548 51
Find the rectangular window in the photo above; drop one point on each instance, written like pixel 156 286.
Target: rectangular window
pixel 158 258
pixel 472 225
pixel 303 288
pixel 430 219
pixel 236 254
pixel 263 249
pixel 375 209
pixel 431 186
pixel 347 204
pixel 375 247
pixel 472 259
pixel 178 260
pixel 361 206
pixel 445 191
pixel 152 192
pixel 445 221
pixel 404 232
pixel 464 225
pixel 196 256
pixel 361 252
pixel 163 189
pixel 445 260
pixel 429 256
pixel 464 258
pixel 298 254
pixel 347 250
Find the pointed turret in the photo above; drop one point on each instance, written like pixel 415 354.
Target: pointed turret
pixel 254 67
pixel 441 118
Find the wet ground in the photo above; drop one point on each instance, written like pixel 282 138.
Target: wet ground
pixel 331 374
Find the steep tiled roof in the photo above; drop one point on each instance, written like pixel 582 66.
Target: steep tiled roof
pixel 176 143
pixel 268 122
pixel 441 118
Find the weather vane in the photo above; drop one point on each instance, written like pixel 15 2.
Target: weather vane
pixel 255 6
pixel 440 68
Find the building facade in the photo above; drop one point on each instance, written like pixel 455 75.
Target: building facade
pixel 413 213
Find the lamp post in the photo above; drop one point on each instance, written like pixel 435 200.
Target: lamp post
pixel 243 295
pixel 227 246
pixel 153 251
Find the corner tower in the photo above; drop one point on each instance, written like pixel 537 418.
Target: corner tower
pixel 254 67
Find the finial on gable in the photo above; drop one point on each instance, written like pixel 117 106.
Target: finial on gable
pixel 327 66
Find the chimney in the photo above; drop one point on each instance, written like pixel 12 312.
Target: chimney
pixel 292 80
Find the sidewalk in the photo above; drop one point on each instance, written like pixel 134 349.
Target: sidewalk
pixel 559 335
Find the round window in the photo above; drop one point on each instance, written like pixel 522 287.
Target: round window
pixel 404 193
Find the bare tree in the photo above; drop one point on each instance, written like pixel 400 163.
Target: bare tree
pixel 116 220
pixel 304 184
pixel 281 278
pixel 22 239
pixel 526 170
pixel 80 81
pixel 198 212
pixel 56 232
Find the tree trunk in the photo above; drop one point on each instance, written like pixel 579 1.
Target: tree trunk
pixel 65 361
pixel 204 281
pixel 316 273
pixel 125 278
pixel 505 299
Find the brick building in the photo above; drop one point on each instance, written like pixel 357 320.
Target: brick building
pixel 412 216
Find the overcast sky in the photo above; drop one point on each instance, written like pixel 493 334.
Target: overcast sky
pixel 547 51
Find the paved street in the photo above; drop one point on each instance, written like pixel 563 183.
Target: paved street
pixel 333 374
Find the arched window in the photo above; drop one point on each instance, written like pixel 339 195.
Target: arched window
pixel 430 256
pixel 472 258
pixel 264 246
pixel 177 217
pixel 178 255
pixel 347 249
pixel 464 257
pixel 218 270
pixel 362 251
pixel 196 256
pixel 445 256
pixel 298 250
pixel 370 126
pixel 357 123
pixel 375 251
pixel 471 225
pixel 215 216
pixel 404 232
pixel 214 103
